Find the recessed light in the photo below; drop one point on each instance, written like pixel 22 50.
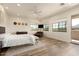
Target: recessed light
pixel 18 4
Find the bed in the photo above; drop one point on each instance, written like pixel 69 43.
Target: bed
pixel 15 40
pixel 20 38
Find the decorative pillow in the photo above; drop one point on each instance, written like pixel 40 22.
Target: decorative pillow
pixel 21 33
pixel 2 36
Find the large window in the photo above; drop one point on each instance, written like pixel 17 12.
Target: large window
pixel 62 26
pixel 34 27
pixel 55 27
pixel 59 27
pixel 46 27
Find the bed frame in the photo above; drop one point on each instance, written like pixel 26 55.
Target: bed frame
pixel 2 31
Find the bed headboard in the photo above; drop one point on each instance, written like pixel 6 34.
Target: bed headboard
pixel 21 33
pixel 2 30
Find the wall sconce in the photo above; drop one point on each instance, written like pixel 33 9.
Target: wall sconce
pixel 25 23
pixel 19 23
pixel 22 23
pixel 15 23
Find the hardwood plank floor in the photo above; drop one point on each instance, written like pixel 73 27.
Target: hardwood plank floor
pixel 75 35
pixel 46 47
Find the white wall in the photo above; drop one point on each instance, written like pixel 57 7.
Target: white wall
pixel 7 21
pixel 64 36
pixel 11 28
pixel 2 16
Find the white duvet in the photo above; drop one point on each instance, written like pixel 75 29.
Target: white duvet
pixel 14 40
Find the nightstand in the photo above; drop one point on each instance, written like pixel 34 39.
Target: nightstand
pixel 0 46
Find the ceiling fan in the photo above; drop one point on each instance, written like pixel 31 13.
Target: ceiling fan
pixel 62 3
pixel 36 12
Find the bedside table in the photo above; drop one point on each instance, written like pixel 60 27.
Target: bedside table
pixel 0 46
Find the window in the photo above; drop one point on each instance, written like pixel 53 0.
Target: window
pixel 55 27
pixel 34 27
pixel 46 27
pixel 62 26
pixel 59 27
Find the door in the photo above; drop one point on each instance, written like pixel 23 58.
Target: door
pixel 75 29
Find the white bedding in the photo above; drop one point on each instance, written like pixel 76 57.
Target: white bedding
pixel 14 40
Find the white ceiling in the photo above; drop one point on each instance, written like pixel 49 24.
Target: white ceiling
pixel 35 10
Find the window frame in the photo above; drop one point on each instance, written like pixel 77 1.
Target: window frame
pixel 46 27
pixel 32 28
pixel 61 27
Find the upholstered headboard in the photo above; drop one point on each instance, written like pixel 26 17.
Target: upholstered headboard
pixel 2 30
pixel 21 33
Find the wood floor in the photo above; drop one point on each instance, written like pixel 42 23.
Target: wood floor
pixel 75 34
pixel 51 47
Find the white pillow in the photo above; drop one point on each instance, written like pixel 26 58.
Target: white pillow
pixel 2 36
